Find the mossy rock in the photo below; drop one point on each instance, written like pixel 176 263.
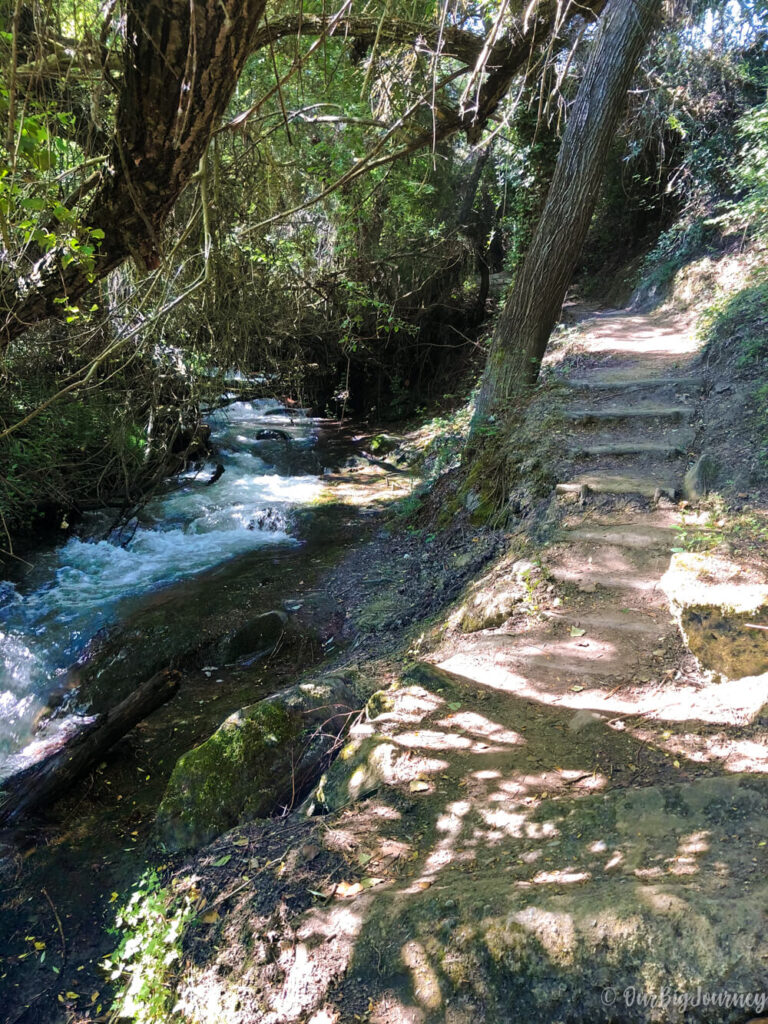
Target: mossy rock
pixel 362 767
pixel 723 624
pixel 255 761
pixel 726 641
pixel 383 444
pixel 364 764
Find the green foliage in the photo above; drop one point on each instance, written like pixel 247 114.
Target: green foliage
pixel 739 320
pixel 750 175
pixel 738 325
pixel 152 925
pixel 104 443
pixel 681 243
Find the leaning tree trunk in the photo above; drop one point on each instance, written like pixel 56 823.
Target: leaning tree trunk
pixel 533 306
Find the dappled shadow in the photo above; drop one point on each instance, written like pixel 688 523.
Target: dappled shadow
pixel 480 883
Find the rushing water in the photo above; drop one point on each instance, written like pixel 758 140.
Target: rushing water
pixel 48 618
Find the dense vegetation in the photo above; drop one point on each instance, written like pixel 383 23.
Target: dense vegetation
pixel 324 208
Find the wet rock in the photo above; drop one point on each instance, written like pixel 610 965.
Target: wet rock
pixel 269 519
pixel 257 761
pixel 216 475
pixel 260 633
pixel 283 411
pixel 272 435
pixel 700 478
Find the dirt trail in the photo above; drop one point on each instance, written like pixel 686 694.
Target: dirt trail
pixel 543 821
pixel 611 645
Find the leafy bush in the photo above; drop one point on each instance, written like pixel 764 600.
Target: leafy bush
pixel 152 924
pixel 741 320
pixel 673 249
pixel 751 173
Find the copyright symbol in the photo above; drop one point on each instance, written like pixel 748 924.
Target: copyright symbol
pixel 609 996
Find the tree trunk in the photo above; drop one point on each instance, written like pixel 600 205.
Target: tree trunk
pixel 182 62
pixel 181 66
pixel 533 306
pixel 39 784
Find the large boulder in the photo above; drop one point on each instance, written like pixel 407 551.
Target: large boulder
pixel 261 758
pixel 723 619
pixel 260 634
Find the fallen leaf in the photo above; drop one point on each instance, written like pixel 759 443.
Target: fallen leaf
pixel 222 860
pixel 211 917
pixel 348 889
pixel 577 631
pixel 240 842
pixel 577 689
pixel 419 786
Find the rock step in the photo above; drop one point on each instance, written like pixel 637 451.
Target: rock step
pixel 636 412
pixel 618 483
pixel 609 578
pixel 623 537
pixel 661 448
pixel 635 383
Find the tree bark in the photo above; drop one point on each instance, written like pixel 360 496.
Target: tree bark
pixel 533 306
pixel 181 65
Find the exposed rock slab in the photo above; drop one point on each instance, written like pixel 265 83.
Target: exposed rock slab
pixel 478 902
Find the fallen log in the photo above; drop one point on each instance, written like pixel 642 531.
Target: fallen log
pixel 55 770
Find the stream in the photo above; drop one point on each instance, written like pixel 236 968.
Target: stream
pixel 103 610
pixel 272 463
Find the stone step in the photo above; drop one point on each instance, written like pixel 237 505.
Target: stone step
pixel 635 383
pixel 660 448
pixel 631 412
pixel 654 537
pixel 618 483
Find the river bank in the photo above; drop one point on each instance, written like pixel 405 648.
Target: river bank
pixel 59 868
pixel 549 809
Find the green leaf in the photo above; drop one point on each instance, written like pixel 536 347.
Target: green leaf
pixel 577 631
pixel 222 860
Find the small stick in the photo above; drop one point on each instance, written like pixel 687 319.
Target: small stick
pixel 58 922
pixel 753 625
